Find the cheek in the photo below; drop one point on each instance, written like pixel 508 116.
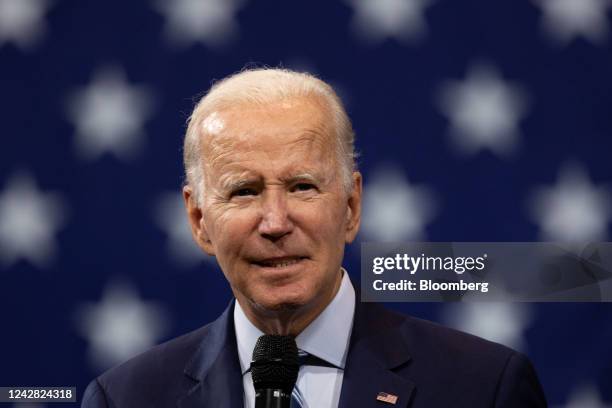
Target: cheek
pixel 326 223
pixel 333 216
pixel 229 228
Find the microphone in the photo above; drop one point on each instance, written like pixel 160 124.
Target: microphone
pixel 274 370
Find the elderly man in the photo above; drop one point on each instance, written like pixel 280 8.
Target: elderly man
pixel 273 193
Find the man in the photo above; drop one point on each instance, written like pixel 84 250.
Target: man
pixel 273 193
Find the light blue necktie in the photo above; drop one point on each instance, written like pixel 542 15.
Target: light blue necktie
pixel 297 399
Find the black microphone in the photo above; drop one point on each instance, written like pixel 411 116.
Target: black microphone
pixel 274 370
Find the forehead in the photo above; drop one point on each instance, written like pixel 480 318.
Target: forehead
pixel 299 125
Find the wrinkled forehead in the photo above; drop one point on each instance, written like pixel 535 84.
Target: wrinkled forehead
pixel 301 122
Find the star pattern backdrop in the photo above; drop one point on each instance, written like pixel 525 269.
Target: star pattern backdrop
pixel 475 120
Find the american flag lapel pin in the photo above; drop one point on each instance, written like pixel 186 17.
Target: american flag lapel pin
pixel 388 398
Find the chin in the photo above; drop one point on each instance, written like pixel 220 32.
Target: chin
pixel 283 307
pixel 283 302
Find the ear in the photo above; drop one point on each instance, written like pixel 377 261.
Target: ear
pixel 353 214
pixel 196 221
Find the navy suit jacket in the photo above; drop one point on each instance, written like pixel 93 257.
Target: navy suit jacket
pixel 426 365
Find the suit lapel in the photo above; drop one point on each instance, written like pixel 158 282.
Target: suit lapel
pixel 376 350
pixel 215 367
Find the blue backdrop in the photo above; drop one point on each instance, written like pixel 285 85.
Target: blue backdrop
pixel 476 121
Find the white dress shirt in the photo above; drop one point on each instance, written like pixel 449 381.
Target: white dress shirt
pixel 327 337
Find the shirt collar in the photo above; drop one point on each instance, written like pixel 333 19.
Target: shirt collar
pixel 335 322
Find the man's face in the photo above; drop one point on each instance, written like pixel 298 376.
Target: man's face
pixel 275 213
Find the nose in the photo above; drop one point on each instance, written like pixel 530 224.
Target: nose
pixel 275 221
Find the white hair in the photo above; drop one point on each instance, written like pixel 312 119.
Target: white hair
pixel 262 86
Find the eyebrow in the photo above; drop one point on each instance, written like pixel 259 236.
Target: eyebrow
pixel 232 182
pixel 313 178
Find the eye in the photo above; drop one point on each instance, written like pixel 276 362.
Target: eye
pixel 303 187
pixel 243 192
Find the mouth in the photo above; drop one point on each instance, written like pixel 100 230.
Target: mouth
pixel 280 262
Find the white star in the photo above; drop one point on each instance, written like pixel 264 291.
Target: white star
pixel 120 326
pixel 29 220
pixel 211 22
pixel 586 397
pixel 564 20
pixel 401 19
pixel 574 210
pixel 394 210
pixel 501 322
pixel 21 21
pixel 171 217
pixel 484 111
pixel 109 115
